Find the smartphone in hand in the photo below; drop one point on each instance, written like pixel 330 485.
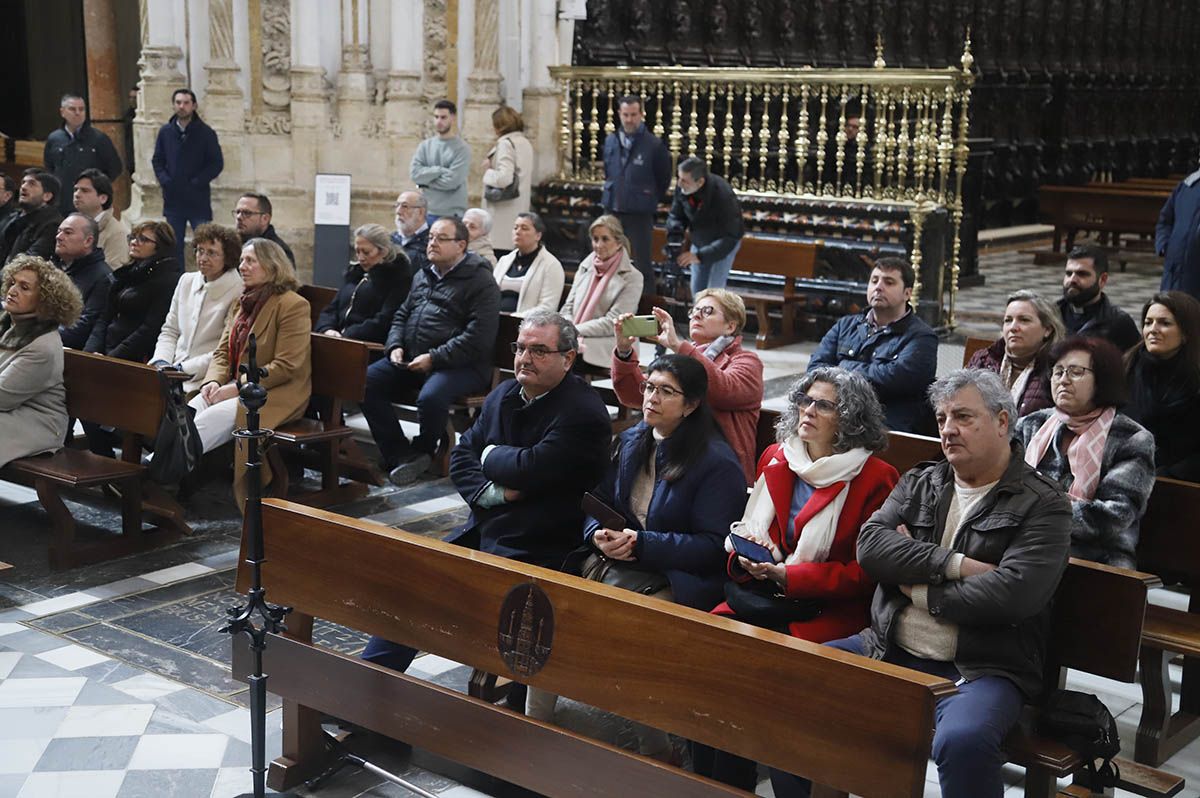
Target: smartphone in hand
pixel 640 327
pixel 754 552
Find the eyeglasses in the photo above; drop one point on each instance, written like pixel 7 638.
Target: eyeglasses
pixel 702 312
pixel 240 212
pixel 207 254
pixel 538 351
pixel 665 391
pixel 1074 372
pixel 824 406
pixel 141 239
pixel 444 239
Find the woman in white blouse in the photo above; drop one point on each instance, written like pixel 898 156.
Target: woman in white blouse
pixel 200 304
pixel 530 278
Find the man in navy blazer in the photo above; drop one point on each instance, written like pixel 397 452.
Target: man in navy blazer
pixel 637 171
pixel 187 158
pixel 541 441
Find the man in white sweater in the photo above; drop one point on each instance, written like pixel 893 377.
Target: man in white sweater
pixel 441 164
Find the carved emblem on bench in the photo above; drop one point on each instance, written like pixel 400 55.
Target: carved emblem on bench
pixel 526 631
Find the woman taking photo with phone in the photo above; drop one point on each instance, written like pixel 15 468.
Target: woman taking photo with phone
pixel 824 473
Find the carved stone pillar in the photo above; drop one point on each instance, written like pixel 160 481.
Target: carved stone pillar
pixel 483 92
pixel 159 67
pixel 223 100
pixel 545 43
pixel 105 104
pixel 355 79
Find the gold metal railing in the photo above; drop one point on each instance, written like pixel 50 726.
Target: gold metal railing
pixel 789 132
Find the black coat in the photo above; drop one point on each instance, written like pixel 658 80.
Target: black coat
pixel 138 302
pixel 1101 320
pixel 415 249
pixel 1165 399
pixel 67 156
pixel 454 319
pixel 271 235
pixel 714 216
pixel 93 277
pixel 367 301
pixel 552 451
pixel 31 233
pixel 185 163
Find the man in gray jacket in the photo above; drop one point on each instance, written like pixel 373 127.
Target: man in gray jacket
pixel 967 554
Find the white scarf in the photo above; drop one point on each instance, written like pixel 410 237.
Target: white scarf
pixel 817 536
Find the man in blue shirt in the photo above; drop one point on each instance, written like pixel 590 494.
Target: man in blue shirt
pixel 187 158
pixel 637 171
pixel 889 345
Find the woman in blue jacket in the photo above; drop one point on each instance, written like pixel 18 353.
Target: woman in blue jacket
pixel 679 487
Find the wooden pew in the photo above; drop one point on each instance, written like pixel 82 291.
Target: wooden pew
pixel 555 632
pixel 318 297
pixel 129 397
pixel 1169 547
pixel 791 260
pixel 1102 209
pixel 973 345
pixel 339 374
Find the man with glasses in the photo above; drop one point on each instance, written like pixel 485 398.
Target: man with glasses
pixel 187 158
pixel 440 345
pixel 252 215
pixel 412 228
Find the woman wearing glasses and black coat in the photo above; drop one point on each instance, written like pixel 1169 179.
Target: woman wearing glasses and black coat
pixel 735 374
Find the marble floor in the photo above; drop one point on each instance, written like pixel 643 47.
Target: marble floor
pixel 114 677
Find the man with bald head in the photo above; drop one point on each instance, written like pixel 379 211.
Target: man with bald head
pixel 412 228
pixel 76 253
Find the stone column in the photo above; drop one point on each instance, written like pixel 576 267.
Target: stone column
pixel 160 72
pixel 541 97
pixel 224 104
pixel 483 93
pixel 105 104
pixel 405 113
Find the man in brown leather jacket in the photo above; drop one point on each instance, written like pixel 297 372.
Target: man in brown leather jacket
pixel 967 553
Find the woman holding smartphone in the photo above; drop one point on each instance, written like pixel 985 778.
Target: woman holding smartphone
pixel 679 487
pixel 823 472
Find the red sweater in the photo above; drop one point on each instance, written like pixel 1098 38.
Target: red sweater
pixel 735 393
pixel 840 579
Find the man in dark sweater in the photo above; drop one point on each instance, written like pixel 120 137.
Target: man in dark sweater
pixel 253 218
pixel 706 204
pixel 76 253
pixel 1085 308
pixel 9 209
pixel 32 232
pixel 187 158
pixel 77 146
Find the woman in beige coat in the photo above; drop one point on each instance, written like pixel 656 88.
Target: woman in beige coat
pixel 511 159
pixel 279 318
pixel 606 285
pixel 38 298
pixel 530 278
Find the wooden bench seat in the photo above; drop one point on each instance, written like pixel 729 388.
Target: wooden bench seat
pixel 393 584
pixel 129 397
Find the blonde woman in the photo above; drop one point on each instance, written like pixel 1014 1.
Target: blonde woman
pixel 606 286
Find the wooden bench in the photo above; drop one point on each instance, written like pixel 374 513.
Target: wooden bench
pixel 1111 210
pixel 973 345
pixel 339 374
pixel 1168 546
pixel 129 397
pixel 554 631
pixel 319 297
pixel 791 260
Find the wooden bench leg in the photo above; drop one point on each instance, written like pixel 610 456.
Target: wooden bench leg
pixel 304 751
pixel 280 481
pixel 1160 734
pixel 488 686
pixel 1040 783
pixel 761 312
pixel 62 523
pixel 131 507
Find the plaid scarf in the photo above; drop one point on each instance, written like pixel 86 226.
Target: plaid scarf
pixel 1085 452
pixel 250 305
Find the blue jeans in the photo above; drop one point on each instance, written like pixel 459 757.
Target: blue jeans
pixel 715 274
pixel 386 382
pixel 179 222
pixel 970 729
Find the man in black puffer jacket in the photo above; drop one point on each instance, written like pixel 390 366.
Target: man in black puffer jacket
pixel 440 344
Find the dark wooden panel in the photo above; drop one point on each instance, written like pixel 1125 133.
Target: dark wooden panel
pixel 116 393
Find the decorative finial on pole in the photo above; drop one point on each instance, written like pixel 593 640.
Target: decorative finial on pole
pixel 879 62
pixel 967 59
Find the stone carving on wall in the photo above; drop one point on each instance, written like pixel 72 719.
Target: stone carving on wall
pixel 276 53
pixel 437 41
pixel 273 124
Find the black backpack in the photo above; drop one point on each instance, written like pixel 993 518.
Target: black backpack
pixel 1081 721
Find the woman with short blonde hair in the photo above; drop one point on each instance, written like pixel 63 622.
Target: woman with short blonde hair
pixel 606 286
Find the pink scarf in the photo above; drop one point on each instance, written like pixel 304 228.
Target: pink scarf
pixel 1085 451
pixel 605 269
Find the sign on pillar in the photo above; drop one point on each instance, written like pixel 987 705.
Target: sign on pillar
pixel 331 228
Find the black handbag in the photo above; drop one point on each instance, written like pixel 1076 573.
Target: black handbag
pixel 598 568
pixel 760 603
pixel 177 447
pixel 512 190
pixel 1082 722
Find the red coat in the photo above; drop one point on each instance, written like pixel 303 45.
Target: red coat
pixel 839 579
pixel 735 393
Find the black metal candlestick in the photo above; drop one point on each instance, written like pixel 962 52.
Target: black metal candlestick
pixel 253 396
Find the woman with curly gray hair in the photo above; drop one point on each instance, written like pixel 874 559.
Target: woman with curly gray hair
pixel 824 479
pixel 38 299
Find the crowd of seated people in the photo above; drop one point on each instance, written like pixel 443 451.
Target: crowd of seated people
pixel 1052 443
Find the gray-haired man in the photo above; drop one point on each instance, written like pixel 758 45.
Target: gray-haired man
pixel 967 554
